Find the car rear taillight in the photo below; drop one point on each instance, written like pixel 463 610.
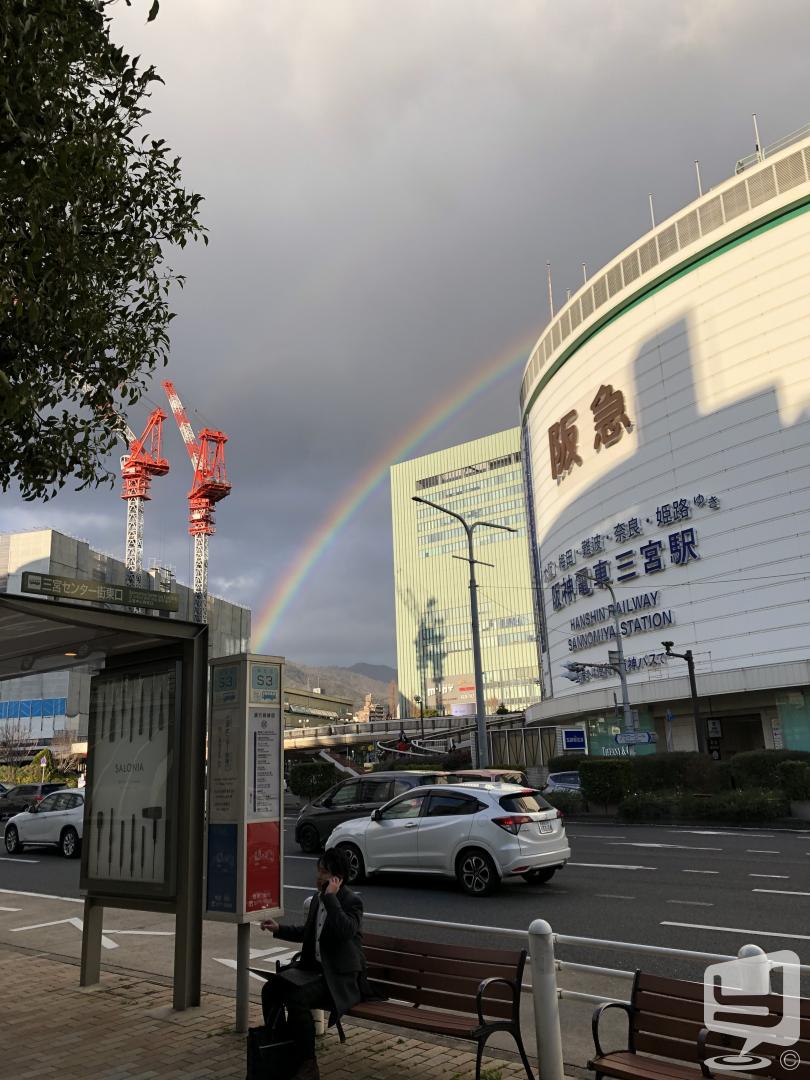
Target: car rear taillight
pixel 513 822
pixel 559 814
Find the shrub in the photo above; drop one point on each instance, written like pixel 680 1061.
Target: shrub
pixel 566 762
pixel 677 771
pixel 310 779
pixel 606 780
pixel 750 806
pixel 794 779
pixel 570 802
pixel 649 807
pixel 760 768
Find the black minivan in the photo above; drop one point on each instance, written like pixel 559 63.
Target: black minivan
pixel 16 799
pixel 358 796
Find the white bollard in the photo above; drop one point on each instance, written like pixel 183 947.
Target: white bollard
pixel 546 1001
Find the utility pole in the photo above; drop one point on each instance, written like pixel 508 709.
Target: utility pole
pixel 481 716
pixel 421 704
pixel 700 732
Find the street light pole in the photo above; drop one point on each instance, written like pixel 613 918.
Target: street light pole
pixel 700 733
pixel 481 719
pixel 627 712
pixel 421 704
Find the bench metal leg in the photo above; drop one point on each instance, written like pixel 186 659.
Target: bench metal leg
pixel 522 1052
pixel 479 1053
pixel 340 1031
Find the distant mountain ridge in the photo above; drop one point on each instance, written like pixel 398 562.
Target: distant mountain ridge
pixel 380 672
pixel 353 683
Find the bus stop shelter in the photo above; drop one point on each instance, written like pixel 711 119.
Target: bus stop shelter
pixel 142 845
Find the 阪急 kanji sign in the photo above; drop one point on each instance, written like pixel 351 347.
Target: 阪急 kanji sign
pixel 610 421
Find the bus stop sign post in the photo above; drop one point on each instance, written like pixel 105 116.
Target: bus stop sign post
pixel 245 834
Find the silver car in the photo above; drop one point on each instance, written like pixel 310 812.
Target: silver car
pixel 476 833
pixel 56 821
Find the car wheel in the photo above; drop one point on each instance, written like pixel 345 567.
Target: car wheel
pixel 539 877
pixel 476 873
pixel 69 843
pixel 13 845
pixel 354 859
pixel 308 840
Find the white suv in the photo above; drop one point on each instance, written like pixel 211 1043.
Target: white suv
pixel 477 833
pixel 57 820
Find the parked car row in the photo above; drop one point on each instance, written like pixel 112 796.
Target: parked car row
pixel 17 798
pixel 478 826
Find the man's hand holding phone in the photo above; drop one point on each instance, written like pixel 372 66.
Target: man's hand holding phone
pixel 332 886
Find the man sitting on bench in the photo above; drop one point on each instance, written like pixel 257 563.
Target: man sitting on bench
pixel 329 971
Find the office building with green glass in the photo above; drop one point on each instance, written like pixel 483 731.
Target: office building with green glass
pixel 481 480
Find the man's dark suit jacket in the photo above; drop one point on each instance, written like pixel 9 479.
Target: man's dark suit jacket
pixel 342 960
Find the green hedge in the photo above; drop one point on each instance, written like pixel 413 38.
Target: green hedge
pixel 566 762
pixel 760 768
pixel 606 780
pixel 794 780
pixel 751 806
pixel 308 780
pixel 570 802
pixel 678 771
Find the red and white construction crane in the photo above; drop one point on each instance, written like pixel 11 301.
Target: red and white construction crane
pixel 210 484
pixel 137 469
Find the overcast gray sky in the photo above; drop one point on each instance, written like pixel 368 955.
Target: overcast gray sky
pixel 384 182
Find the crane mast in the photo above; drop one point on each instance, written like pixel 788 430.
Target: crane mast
pixel 143 461
pixel 209 486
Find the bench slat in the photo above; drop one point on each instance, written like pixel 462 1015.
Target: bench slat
pixel 418 962
pixel 628 1066
pixel 508 957
pixel 436 981
pixel 679 1008
pixel 460 1003
pixel 387 1012
pixel 693 991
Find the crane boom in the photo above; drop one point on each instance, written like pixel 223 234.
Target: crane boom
pixel 210 484
pixel 183 422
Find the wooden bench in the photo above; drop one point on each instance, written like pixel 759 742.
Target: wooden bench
pixel 665 1020
pixel 465 992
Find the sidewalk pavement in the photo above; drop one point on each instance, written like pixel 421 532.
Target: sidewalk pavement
pixel 125 1029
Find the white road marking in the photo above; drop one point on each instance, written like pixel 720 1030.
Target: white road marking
pixel 612 866
pixel 719 832
pixel 738 930
pixel 700 871
pixel 3 858
pixel 105 941
pixel 782 892
pixel 692 903
pixel 306 858
pixel 761 851
pixel 43 896
pixel 142 933
pixel 309 888
pixel 678 847
pixel 773 877
pixel 278 953
pixel 614 896
pixel 9 909
pixel 594 836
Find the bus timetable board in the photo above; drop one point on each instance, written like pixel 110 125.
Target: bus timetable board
pixel 245 788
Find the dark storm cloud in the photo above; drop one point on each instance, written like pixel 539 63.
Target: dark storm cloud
pixel 384 184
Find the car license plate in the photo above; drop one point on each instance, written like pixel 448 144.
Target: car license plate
pixel 545 826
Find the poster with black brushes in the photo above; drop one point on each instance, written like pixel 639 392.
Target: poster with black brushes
pixel 131 728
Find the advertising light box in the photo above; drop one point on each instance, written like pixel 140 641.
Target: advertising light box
pixel 130 809
pixel 245 788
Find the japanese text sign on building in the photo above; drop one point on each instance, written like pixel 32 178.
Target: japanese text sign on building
pixel 97 592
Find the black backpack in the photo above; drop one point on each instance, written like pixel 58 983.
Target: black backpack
pixel 271 1053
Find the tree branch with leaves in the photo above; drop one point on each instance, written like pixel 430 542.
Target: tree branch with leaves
pixel 90 206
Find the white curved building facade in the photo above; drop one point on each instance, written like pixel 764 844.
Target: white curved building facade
pixel 666 428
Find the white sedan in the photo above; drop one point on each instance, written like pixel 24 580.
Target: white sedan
pixel 476 833
pixel 56 821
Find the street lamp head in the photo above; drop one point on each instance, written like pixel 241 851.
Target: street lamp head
pixel 416 698
pixel 668 645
